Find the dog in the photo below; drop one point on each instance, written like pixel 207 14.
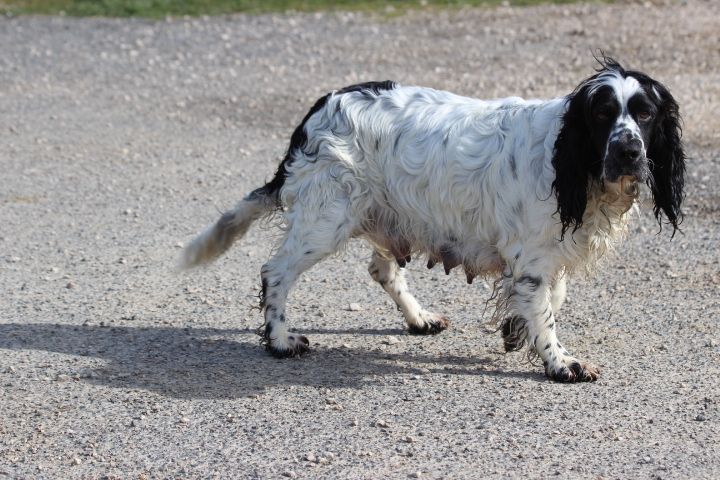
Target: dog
pixel 523 191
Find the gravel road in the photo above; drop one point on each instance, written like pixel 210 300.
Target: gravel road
pixel 119 139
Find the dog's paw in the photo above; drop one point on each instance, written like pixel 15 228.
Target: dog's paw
pixel 293 345
pixel 574 372
pixel 429 324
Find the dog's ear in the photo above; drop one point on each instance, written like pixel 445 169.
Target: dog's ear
pixel 575 161
pixel 667 159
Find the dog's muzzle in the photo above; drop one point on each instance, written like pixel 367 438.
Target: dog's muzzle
pixel 626 158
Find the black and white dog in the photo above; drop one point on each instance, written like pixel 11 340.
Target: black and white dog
pixel 523 191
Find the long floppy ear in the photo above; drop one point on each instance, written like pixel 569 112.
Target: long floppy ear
pixel 667 160
pixel 575 162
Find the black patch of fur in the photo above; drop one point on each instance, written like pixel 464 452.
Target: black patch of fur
pixel 576 161
pixel 533 282
pixel 667 155
pixel 513 167
pixel 298 139
pixel 514 333
pixel 263 293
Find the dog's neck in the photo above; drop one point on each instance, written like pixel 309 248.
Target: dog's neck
pixel 605 220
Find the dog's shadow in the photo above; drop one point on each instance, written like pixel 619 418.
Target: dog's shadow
pixel 215 363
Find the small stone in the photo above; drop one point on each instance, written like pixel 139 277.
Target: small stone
pixel 289 474
pixel 416 475
pixel 330 455
pixel 409 439
pixel 700 418
pixel 389 340
pixel 62 378
pixel 70 285
pixel 76 461
pixel 354 422
pixel 331 401
pixel 310 458
pixel 382 424
pixel 354 307
pixel 184 420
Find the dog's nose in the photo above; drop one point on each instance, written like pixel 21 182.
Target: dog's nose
pixel 631 151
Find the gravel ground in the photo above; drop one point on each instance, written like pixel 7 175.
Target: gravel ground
pixel 119 139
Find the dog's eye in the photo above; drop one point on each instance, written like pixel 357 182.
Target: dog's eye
pixel 603 115
pixel 644 116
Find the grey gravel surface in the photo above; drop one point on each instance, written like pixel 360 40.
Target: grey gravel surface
pixel 120 139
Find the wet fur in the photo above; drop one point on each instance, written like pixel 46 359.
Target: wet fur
pixel 508 189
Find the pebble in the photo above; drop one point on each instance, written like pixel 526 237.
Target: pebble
pixel 354 307
pixel 700 418
pixel 416 475
pixel 76 461
pixel 391 340
pixel 382 424
pixel 289 474
pixel 409 439
pixel 310 458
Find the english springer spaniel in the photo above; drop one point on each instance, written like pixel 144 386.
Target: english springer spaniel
pixel 522 191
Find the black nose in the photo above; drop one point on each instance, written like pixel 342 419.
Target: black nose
pixel 631 151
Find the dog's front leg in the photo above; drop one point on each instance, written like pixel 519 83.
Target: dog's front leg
pixel 530 299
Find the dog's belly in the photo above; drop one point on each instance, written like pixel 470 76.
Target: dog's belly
pixel 476 258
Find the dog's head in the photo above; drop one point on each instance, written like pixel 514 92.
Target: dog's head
pixel 620 128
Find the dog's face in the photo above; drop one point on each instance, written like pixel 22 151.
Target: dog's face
pixel 621 116
pixel 621 128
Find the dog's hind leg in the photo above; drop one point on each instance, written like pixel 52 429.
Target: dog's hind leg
pixel 387 273
pixel 311 235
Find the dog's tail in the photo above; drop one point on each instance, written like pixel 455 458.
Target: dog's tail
pixel 217 238
pixel 233 224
